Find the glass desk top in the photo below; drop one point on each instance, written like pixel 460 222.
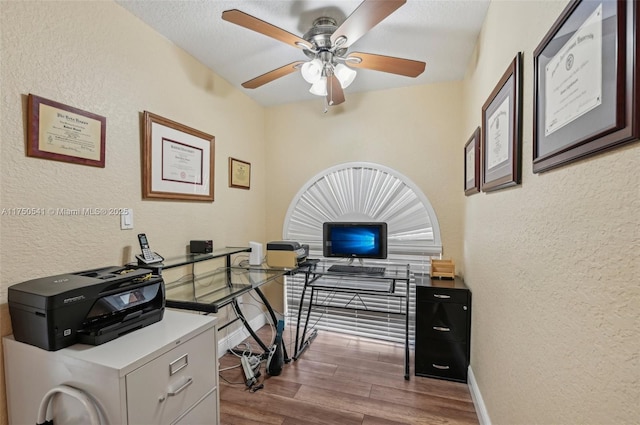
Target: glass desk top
pixel 182 260
pixel 321 277
pixel 211 291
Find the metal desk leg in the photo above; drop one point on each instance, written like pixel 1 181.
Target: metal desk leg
pixel 246 324
pixel 297 347
pixel 273 318
pixel 304 344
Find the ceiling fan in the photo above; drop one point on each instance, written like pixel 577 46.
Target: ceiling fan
pixel 329 69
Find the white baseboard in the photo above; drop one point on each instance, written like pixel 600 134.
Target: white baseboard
pixel 233 338
pixel 478 402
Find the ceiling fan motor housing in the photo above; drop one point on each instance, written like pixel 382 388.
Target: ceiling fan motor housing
pixel 320 37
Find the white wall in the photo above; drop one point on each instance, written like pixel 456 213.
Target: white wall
pixel 553 263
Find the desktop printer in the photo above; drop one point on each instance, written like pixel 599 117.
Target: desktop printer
pixel 90 307
pixel 286 254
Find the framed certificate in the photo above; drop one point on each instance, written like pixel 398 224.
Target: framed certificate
pixel 239 174
pixel 472 164
pixel 501 143
pixel 64 133
pixel 586 83
pixel 178 161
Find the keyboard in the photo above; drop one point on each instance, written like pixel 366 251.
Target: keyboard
pixel 338 268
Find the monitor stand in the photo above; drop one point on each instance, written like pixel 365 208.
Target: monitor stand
pixel 350 261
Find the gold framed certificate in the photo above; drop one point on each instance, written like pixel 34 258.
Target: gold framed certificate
pixel 239 174
pixel 586 83
pixel 178 161
pixel 64 133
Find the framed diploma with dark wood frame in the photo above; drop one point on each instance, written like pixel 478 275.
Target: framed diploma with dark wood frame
pixel 64 133
pixel 472 164
pixel 178 161
pixel 586 83
pixel 501 143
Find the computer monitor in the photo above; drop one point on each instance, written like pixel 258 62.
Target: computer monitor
pixel 354 239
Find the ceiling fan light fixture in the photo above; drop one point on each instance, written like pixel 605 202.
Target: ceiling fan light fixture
pixel 345 75
pixel 319 88
pixel 312 71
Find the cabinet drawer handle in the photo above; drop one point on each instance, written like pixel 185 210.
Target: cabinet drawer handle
pixel 437 366
pixel 181 388
pixel 443 296
pixel 179 363
pixel 441 329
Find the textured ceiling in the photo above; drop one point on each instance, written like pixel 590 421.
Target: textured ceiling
pixel 441 33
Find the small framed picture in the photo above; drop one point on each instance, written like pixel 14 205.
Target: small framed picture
pixel 501 143
pixel 239 174
pixel 472 164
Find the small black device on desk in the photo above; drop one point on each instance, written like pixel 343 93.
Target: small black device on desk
pixel 201 247
pixel 91 307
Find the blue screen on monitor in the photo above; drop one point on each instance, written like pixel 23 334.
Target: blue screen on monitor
pixel 355 240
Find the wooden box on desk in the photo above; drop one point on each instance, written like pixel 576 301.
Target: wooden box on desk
pixel 443 268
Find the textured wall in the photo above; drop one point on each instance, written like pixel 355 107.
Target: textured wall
pixel 97 57
pixel 116 67
pixel 553 263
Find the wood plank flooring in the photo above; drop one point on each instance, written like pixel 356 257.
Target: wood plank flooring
pixel 341 380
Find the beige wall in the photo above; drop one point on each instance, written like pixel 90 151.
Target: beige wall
pixel 415 131
pixel 553 263
pixel 98 57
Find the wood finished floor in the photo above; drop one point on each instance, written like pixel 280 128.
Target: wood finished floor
pixel 342 380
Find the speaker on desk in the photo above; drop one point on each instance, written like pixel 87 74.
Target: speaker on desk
pixel 255 256
pixel 201 247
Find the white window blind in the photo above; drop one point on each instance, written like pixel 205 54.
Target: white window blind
pixel 362 192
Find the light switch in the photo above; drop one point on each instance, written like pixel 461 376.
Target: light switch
pixel 126 219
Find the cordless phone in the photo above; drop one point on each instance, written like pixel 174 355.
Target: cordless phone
pixel 148 256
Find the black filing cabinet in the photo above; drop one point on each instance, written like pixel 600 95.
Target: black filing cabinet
pixel 443 329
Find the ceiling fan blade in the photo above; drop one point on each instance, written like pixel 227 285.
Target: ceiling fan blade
pixel 238 17
pixel 400 66
pixel 335 94
pixel 369 14
pixel 272 75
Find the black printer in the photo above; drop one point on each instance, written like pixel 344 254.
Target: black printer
pixel 90 307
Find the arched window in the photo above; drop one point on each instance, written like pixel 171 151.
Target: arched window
pixel 361 191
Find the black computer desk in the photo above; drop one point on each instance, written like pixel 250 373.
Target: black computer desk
pixel 392 286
